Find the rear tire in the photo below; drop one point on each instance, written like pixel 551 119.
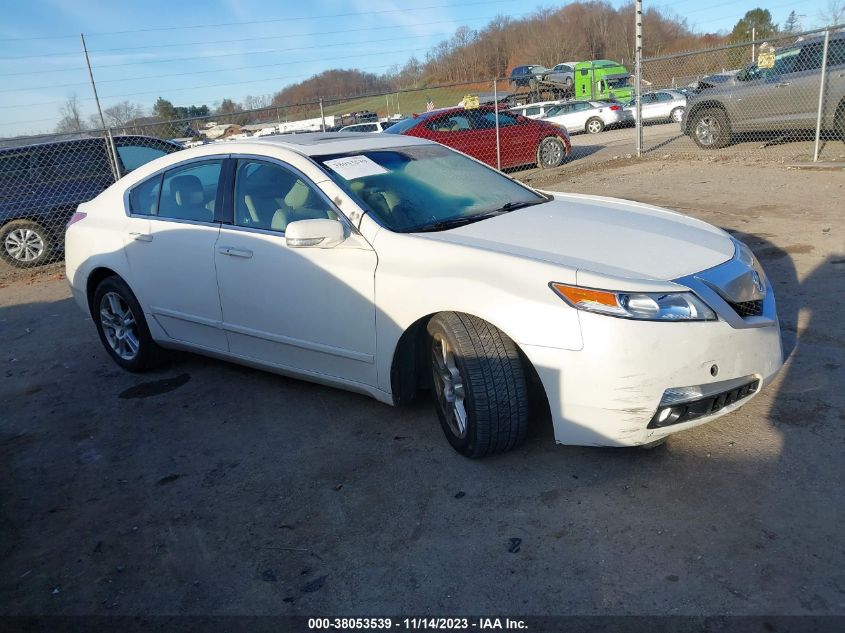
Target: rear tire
pixel 122 327
pixel 25 244
pixel 710 128
pixel 480 390
pixel 676 115
pixel 550 153
pixel 594 125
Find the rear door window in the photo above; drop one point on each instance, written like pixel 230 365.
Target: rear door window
pixel 190 192
pixel 73 161
pixel 836 53
pixel 453 123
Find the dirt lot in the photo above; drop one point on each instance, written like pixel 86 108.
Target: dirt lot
pixel 664 141
pixel 213 489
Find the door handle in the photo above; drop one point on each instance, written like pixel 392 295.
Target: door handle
pixel 234 252
pixel 141 237
pixel 782 84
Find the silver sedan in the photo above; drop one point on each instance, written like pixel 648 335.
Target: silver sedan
pixel 661 105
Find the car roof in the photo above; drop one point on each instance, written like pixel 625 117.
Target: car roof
pixel 10 145
pixel 535 104
pixel 321 143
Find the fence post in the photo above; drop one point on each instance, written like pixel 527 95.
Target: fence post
pixel 753 44
pixel 322 116
pixel 638 88
pixel 821 96
pixel 496 110
pixel 113 154
pixel 109 141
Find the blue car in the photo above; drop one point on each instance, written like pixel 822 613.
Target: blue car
pixel 41 185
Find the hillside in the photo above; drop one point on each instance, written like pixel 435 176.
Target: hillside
pixel 577 31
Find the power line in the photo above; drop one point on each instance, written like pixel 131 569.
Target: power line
pixel 215 70
pixel 169 90
pixel 238 40
pixel 269 21
pixel 235 53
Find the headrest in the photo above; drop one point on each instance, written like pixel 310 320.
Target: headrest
pixel 187 190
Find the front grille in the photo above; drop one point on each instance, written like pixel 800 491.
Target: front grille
pixel 748 308
pixel 702 407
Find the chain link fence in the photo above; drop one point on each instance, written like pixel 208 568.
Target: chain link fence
pixel 788 104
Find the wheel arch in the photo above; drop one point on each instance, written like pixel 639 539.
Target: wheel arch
pixel 691 111
pixel 95 278
pixel 408 373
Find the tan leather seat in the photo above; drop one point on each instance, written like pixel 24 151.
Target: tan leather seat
pixel 188 198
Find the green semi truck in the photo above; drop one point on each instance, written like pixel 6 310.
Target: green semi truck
pixel 602 79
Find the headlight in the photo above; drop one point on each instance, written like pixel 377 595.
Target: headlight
pixel 744 254
pixel 648 306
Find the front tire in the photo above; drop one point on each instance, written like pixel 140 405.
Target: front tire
pixel 594 125
pixel 122 327
pixel 711 129
pixel 480 389
pixel 550 153
pixel 25 244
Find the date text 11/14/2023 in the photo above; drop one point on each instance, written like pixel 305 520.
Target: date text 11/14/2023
pixel 423 623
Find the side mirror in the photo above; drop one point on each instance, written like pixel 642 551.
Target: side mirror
pixel 314 233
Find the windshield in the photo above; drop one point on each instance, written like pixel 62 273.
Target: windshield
pixel 404 124
pixel 617 82
pixel 421 187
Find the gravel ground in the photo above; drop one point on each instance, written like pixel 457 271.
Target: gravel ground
pixel 208 488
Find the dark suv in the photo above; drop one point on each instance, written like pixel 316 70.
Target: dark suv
pixel 527 75
pixel 41 186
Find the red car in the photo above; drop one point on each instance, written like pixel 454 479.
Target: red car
pixel 522 141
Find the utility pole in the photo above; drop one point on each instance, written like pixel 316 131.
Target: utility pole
pixel 753 45
pixel 638 65
pixel 109 145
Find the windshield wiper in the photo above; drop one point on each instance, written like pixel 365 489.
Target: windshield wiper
pixel 452 223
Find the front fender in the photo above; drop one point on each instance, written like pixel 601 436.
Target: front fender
pixel 418 277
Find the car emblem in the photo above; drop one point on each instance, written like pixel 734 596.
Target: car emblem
pixel 758 283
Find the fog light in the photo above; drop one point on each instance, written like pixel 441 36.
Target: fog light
pixel 668 415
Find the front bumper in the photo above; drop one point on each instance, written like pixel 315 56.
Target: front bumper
pixel 607 393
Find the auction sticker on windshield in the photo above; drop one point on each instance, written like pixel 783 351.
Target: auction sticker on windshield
pixel 352 167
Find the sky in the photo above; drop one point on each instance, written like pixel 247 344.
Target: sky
pixel 201 51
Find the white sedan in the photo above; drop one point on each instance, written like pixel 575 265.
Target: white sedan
pixel 390 265
pixel 588 116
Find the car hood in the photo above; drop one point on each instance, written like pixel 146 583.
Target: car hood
pixel 610 237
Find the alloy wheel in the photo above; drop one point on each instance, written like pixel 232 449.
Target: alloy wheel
pixel 24 245
pixel 706 130
pixel 119 326
pixel 594 127
pixel 449 386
